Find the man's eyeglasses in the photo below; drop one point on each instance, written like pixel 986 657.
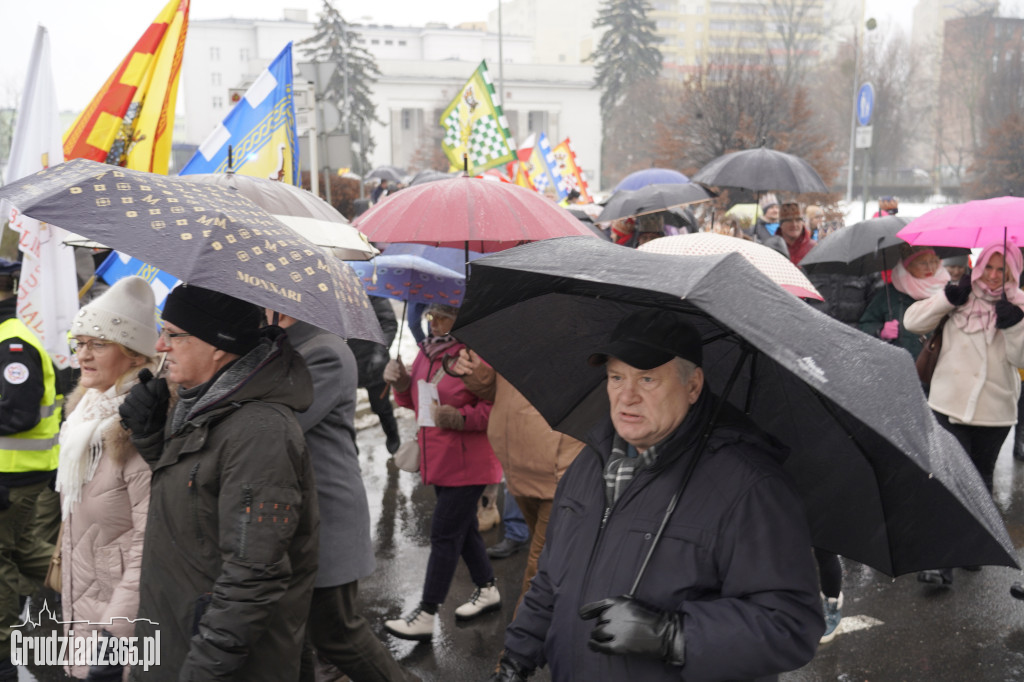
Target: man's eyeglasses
pixel 97 347
pixel 166 336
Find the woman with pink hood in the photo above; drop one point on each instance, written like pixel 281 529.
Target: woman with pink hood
pixel 975 386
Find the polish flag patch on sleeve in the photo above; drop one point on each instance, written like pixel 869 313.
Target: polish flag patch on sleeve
pixel 17 347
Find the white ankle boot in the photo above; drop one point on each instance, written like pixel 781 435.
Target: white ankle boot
pixel 417 624
pixel 483 600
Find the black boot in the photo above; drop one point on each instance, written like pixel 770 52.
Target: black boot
pixel 390 426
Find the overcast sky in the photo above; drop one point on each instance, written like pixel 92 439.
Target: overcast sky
pixel 89 38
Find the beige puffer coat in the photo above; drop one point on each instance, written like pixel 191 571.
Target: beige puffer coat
pixel 102 543
pixel 533 455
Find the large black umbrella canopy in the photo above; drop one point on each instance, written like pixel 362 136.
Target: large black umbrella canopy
pixel 202 234
pixel 883 483
pixel 863 248
pixel 651 199
pixel 761 170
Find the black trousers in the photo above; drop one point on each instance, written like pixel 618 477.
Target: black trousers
pixel 982 443
pixel 343 637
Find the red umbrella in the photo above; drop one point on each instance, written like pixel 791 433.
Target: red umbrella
pixel 468 213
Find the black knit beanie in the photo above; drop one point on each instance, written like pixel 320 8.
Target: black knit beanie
pixel 222 321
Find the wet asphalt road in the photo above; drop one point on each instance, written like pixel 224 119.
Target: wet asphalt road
pixel 893 630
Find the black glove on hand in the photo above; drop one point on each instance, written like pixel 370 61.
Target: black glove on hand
pixel 144 410
pixel 105 672
pixel 1007 314
pixel 625 626
pixel 510 670
pixel 957 294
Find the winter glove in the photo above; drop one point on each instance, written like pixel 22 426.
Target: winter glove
pixel 5 498
pixel 103 671
pixel 957 294
pixel 447 417
pixel 144 410
pixel 397 375
pixel 625 626
pixel 1007 314
pixel 510 670
pixel 890 330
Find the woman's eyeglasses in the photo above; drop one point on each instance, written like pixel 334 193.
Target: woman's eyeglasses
pixel 97 347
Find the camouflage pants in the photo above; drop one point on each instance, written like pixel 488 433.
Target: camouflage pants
pixel 24 555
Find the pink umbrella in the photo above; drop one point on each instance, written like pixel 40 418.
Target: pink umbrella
pixel 974 224
pixel 468 213
pixel 777 267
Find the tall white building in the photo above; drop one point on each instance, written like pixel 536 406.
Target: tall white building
pixel 421 69
pixel 562 32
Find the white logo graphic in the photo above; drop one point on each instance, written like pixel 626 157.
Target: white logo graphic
pixel 78 650
pixel 16 373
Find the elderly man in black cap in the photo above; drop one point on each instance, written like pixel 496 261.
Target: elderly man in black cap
pixel 677 547
pixel 29 425
pixel 230 553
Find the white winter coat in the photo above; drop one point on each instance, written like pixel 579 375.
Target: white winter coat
pixel 975 382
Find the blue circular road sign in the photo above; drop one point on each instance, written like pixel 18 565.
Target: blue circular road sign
pixel 865 104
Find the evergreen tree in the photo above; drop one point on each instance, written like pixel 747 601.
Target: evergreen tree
pixel 349 88
pixel 627 66
pixel 626 54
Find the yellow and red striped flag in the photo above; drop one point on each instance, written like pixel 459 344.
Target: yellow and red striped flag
pixel 522 178
pixel 130 120
pixel 572 174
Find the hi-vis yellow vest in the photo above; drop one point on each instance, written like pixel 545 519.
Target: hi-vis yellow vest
pixel 37 448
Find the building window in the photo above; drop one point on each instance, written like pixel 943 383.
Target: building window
pixel 218 102
pixel 401 43
pixel 406 119
pixel 214 54
pixel 214 78
pixel 243 54
pixel 375 42
pixel 389 42
pixel 537 122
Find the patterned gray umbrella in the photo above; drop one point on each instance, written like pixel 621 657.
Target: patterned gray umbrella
pixel 882 482
pixel 204 235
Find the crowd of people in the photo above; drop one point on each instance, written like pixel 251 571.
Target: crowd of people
pixel 203 477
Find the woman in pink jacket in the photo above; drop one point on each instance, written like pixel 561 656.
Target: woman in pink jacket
pixel 457 459
pixel 102 480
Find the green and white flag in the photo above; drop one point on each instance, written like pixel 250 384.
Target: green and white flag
pixel 474 125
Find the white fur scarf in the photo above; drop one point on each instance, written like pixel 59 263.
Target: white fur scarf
pixel 81 442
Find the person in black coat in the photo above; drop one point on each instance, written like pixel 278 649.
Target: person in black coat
pixel 729 590
pixel 371 359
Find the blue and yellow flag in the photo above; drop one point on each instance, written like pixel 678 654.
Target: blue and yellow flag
pixel 542 169
pixel 475 125
pixel 260 130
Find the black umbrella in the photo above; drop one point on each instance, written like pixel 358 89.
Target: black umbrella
pixel 430 175
pixel 202 234
pixel 389 173
pixel 582 216
pixel 865 247
pixel 883 483
pixel 761 170
pixel 651 199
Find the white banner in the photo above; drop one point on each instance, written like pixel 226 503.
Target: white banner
pixel 48 291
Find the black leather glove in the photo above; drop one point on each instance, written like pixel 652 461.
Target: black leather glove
pixel 144 410
pixel 625 626
pixel 957 294
pixel 511 670
pixel 1007 314
pixel 105 672
pixel 5 497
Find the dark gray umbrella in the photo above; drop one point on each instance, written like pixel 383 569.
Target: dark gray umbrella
pixel 430 175
pixel 389 173
pixel 202 234
pixel 761 170
pixel 883 483
pixel 863 248
pixel 651 199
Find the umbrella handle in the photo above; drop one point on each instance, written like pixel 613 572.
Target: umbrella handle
pixel 401 328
